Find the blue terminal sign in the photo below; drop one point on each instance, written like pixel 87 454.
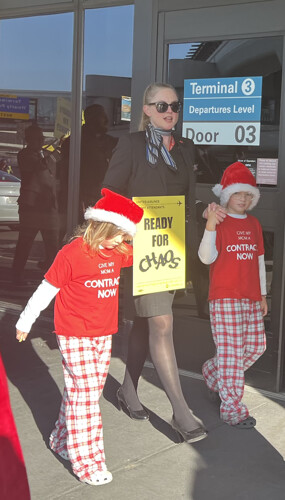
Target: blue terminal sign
pixel 223 110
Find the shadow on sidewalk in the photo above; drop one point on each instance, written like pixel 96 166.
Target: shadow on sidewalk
pixel 238 465
pixel 109 393
pixel 29 374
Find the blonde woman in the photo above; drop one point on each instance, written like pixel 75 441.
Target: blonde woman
pixel 156 162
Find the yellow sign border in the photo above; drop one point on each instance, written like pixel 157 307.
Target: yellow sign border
pixel 159 245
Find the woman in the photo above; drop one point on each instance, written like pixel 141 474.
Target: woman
pixel 155 162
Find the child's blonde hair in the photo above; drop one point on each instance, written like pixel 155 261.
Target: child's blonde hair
pixel 94 233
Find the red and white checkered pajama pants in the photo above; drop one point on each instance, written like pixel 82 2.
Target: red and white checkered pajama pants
pixel 79 426
pixel 238 332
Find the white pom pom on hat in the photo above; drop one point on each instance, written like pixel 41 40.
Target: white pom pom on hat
pixel 116 209
pixel 237 177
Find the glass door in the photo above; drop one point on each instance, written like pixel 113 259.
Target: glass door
pixel 227 128
pixel 245 128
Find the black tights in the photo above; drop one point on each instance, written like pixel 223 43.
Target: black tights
pixel 155 334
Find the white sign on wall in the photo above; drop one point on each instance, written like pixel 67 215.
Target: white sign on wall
pixel 219 133
pixel 223 111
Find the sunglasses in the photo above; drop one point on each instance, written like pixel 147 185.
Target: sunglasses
pixel 162 106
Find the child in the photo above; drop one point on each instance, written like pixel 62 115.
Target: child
pixel 84 277
pixel 237 293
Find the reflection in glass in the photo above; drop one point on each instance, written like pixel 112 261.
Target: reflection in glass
pixel 96 151
pixel 108 48
pixel 37 203
pixel 107 78
pixel 234 58
pixel 35 81
pixel 226 59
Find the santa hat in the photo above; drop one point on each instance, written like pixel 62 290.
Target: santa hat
pixel 237 177
pixel 116 209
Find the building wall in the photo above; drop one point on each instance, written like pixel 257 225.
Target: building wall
pixel 156 24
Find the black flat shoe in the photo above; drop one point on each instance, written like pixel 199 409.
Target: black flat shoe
pixel 134 414
pixel 189 436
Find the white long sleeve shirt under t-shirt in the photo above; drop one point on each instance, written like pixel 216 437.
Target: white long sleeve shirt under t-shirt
pixel 208 253
pixel 37 303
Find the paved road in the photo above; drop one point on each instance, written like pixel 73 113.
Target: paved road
pixel 145 458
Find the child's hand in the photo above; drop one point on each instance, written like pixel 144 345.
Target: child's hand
pixel 263 305
pixel 212 218
pixel 21 336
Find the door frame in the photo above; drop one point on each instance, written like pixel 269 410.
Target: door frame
pixel 172 26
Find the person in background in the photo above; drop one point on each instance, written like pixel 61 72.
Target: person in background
pixel 237 293
pixel 37 203
pixel 156 162
pixel 86 317
pixel 96 151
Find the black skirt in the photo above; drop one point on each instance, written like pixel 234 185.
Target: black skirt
pixel 147 305
pixel 154 304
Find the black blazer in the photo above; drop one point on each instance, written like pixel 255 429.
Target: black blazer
pixel 130 174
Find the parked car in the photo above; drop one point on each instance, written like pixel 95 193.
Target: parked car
pixel 9 193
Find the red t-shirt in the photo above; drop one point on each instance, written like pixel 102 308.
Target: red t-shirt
pixel 235 273
pixel 87 303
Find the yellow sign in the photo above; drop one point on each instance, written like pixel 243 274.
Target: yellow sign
pixel 15 116
pixel 62 124
pixel 159 245
pixel 63 118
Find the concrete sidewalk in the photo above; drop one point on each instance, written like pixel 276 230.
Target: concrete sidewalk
pixel 146 459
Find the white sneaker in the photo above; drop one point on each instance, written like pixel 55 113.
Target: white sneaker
pixel 99 477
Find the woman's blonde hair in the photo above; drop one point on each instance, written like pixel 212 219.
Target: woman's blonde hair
pixel 94 233
pixel 149 96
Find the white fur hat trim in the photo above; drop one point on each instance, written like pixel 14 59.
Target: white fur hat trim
pixel 226 193
pixel 122 222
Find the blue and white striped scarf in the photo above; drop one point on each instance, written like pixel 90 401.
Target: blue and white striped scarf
pixel 154 146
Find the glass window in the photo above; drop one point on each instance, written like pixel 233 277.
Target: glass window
pixel 108 53
pixel 210 70
pixel 108 47
pixel 35 80
pixel 228 123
